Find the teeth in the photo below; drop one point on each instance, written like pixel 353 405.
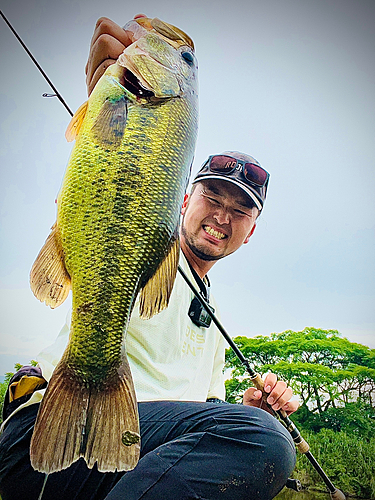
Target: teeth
pixel 213 232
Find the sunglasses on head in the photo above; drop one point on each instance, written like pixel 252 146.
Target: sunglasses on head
pixel 253 173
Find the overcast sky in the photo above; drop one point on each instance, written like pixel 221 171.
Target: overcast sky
pixel 289 82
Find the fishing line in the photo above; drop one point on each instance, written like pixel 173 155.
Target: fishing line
pixel 255 377
pixel 44 485
pixel 57 93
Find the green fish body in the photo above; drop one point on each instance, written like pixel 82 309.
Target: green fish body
pixel 115 235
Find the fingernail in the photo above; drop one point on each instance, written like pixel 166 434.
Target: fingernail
pixel 276 406
pixel 268 388
pixel 270 401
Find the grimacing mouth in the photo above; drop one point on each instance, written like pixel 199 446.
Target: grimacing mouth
pixel 213 232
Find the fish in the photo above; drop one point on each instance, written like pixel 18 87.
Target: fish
pixel 115 236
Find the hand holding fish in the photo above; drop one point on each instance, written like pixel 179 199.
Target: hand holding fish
pixel 108 42
pixel 279 395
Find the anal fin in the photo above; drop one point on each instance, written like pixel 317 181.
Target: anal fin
pixel 154 296
pixel 77 419
pixel 49 279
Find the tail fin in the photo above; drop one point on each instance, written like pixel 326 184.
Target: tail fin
pixel 76 420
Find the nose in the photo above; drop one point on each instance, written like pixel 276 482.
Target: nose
pixel 221 215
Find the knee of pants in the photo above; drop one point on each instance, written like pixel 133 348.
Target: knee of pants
pixel 254 444
pixel 216 463
pixel 249 458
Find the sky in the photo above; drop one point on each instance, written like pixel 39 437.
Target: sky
pixel 290 82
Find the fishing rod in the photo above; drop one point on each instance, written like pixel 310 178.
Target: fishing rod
pixel 57 93
pixel 300 443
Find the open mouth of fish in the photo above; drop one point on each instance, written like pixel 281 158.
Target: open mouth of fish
pixel 133 85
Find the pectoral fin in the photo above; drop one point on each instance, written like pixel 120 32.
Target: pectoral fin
pixel 154 296
pixel 110 123
pixel 49 279
pixel 76 122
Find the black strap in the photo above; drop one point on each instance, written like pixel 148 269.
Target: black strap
pixel 205 290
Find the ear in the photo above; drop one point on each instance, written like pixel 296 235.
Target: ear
pixel 250 234
pixel 184 204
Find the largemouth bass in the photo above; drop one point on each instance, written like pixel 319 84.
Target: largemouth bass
pixel 116 234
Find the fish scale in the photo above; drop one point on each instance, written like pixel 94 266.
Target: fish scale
pixel 116 230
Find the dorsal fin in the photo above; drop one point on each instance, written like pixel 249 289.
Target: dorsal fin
pixel 171 32
pixel 155 295
pixel 76 122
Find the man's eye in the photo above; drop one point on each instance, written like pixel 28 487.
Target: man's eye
pixel 213 200
pixel 241 213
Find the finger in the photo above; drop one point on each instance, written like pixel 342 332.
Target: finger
pixel 108 41
pixel 105 47
pixel 254 397
pixel 98 73
pixel 279 402
pixel 250 395
pixel 290 407
pixel 105 26
pixel 270 382
pixel 276 392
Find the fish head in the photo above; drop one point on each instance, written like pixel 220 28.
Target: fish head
pixel 159 64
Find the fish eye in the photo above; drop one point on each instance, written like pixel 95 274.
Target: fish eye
pixel 188 57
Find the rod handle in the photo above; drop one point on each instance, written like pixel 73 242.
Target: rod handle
pixel 258 382
pixel 302 446
pixel 338 495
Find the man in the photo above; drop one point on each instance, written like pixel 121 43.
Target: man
pixel 191 448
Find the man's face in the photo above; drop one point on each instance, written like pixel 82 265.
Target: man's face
pixel 218 217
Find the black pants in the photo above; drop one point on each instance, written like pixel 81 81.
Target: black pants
pixel 189 451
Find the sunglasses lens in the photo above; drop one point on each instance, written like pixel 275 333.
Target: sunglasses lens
pixel 255 174
pixel 222 164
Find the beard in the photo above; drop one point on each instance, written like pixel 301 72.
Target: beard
pixel 200 250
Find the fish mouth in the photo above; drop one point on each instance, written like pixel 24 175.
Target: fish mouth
pixel 134 86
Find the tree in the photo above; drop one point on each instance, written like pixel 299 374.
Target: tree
pixel 325 370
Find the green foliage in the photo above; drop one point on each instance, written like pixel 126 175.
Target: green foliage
pixel 355 418
pixel 348 460
pixel 4 386
pixel 335 381
pixel 324 369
